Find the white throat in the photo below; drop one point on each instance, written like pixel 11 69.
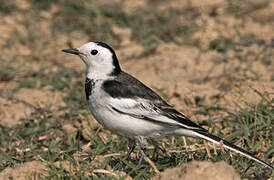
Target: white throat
pixel 100 60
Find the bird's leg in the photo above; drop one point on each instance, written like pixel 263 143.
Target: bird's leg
pixel 143 154
pixel 131 146
pixel 143 144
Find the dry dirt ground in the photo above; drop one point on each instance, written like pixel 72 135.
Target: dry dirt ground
pixel 228 64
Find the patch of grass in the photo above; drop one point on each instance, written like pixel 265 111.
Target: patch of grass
pixel 221 44
pixel 239 46
pixel 93 21
pixel 244 8
pixel 8 71
pixel 254 122
pixel 254 130
pixel 7 7
pixel 27 39
pixel 152 27
pixel 219 59
pixel 149 26
pixel 249 39
pixel 42 4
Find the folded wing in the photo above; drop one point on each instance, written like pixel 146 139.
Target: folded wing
pixel 131 97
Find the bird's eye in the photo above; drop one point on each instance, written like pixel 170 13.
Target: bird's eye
pixel 94 52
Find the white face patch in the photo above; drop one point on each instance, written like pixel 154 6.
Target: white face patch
pixel 98 59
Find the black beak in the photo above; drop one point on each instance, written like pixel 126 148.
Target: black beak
pixel 72 51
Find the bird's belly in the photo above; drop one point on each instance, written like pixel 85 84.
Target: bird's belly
pixel 122 124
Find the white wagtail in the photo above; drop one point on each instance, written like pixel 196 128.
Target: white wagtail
pixel 125 106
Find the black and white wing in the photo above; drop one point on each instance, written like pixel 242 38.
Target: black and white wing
pixel 133 98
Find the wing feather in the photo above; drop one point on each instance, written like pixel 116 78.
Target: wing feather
pixel 132 97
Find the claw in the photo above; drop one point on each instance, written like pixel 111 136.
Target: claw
pixel 131 146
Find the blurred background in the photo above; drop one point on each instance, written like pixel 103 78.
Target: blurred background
pixel 212 60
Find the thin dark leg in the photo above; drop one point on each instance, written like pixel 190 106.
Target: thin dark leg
pixel 131 146
pixel 143 154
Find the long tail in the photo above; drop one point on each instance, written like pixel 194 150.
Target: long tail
pixel 217 140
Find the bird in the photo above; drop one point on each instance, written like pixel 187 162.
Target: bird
pixel 127 107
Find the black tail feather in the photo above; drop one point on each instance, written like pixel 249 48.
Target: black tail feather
pixel 228 145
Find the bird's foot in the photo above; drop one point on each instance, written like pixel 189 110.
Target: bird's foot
pixel 131 146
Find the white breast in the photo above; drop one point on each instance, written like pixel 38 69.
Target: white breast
pixel 100 105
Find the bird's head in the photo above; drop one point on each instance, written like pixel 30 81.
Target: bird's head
pixel 100 58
